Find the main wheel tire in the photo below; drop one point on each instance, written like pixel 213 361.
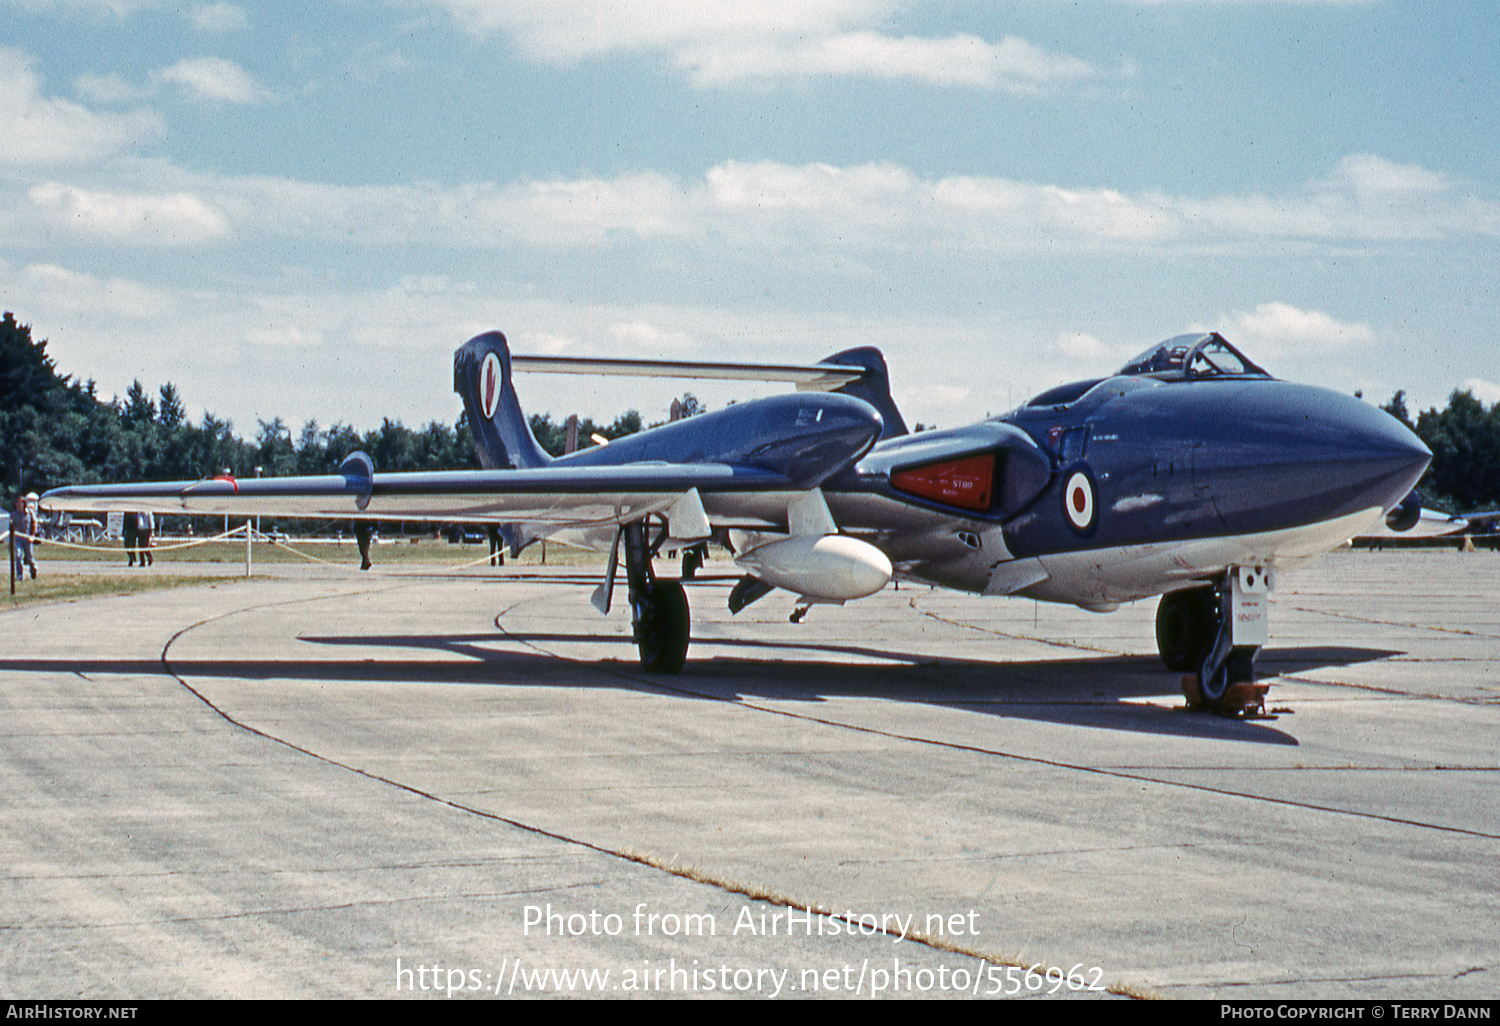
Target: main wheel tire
pixel 1184 627
pixel 663 641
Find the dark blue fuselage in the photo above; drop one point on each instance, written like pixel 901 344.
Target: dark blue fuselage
pixel 805 437
pixel 1189 459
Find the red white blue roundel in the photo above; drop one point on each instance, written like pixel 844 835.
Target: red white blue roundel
pixel 1078 501
pixel 489 385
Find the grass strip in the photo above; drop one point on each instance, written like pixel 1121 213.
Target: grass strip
pixel 76 587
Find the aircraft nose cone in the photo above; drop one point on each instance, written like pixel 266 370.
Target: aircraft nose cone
pixel 1297 455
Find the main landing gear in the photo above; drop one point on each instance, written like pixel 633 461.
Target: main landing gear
pixel 1195 634
pixel 659 608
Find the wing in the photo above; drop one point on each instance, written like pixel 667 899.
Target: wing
pixel 584 496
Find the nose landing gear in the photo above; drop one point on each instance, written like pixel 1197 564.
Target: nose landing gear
pixel 1216 632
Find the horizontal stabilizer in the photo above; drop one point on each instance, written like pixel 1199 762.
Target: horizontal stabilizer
pixel 811 377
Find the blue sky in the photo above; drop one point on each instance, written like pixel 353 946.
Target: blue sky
pixel 300 210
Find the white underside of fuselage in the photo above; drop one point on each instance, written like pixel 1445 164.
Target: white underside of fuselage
pixel 1102 579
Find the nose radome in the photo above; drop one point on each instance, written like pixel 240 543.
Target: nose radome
pixel 1301 455
pixel 1392 455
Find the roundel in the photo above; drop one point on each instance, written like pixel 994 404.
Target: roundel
pixel 1079 502
pixel 489 385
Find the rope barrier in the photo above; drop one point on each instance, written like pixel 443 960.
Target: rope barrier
pixel 238 532
pixel 464 566
pixel 431 570
pixel 304 555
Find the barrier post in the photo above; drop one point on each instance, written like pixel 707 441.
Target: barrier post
pixel 11 534
pixel 247 547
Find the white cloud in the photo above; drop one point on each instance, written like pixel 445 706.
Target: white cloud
pixel 569 30
pixel 361 355
pixel 218 17
pixel 640 334
pixel 118 9
pixel 719 42
pixel 48 286
pixel 1367 197
pixel 108 89
pixel 285 337
pixel 1484 391
pixel 1369 175
pixel 808 212
pixel 213 78
pixel 171 219
pixel 1282 329
pixel 1077 345
pixel 959 60
pixel 200 78
pixel 38 130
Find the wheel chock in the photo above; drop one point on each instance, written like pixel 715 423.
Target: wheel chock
pixel 1192 692
pixel 1245 701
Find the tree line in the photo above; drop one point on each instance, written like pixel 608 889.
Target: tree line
pixel 1464 437
pixel 56 431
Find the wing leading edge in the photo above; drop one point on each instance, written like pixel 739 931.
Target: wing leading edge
pixel 564 496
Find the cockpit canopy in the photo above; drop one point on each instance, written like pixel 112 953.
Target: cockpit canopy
pixel 1190 357
pixel 1183 358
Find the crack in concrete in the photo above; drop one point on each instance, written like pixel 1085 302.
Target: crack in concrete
pixel 294 911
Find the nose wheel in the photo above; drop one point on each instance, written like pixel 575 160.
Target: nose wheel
pixel 1195 636
pixel 1185 621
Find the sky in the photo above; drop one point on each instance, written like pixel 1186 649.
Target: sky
pixel 299 210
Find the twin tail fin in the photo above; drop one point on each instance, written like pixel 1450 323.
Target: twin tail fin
pixel 481 375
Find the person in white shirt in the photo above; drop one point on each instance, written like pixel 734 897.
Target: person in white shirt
pixel 145 527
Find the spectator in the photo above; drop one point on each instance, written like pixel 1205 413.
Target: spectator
pixel 23 529
pixel 362 532
pixel 130 530
pixel 145 527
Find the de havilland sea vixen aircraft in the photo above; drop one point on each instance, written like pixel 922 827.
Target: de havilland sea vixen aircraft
pixel 1191 473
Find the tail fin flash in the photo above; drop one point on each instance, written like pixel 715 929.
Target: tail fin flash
pixel 481 374
pixel 874 388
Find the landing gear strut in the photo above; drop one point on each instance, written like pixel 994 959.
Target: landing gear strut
pixel 1195 632
pixel 692 560
pixel 659 608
